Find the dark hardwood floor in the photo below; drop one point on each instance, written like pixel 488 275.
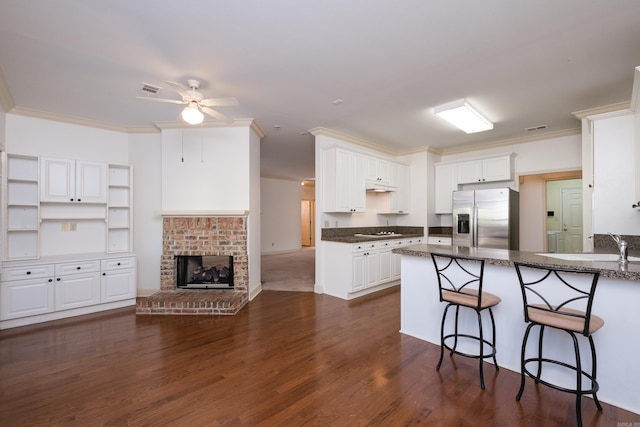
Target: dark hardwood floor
pixel 288 358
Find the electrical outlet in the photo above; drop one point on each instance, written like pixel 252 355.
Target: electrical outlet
pixel 64 228
pixel 326 224
pixel 73 227
pixel 336 223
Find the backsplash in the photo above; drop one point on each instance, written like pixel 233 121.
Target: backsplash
pixel 604 241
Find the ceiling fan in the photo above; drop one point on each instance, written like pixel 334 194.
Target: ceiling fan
pixel 196 104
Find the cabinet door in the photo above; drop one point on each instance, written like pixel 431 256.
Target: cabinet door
pixel 496 169
pixel 385 265
pixel 118 285
pixel 91 182
pixel 23 298
pixel 359 271
pixel 469 172
pixel 58 180
pixel 371 266
pixel 78 290
pixel 399 199
pixel 446 182
pixel 358 192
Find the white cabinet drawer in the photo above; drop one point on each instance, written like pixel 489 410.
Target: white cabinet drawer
pixel 27 272
pixel 433 240
pixel 78 267
pixel 365 246
pixel 118 263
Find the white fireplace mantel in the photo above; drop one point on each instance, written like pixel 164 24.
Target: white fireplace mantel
pixel 203 214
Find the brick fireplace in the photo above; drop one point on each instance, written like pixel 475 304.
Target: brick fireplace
pixel 195 236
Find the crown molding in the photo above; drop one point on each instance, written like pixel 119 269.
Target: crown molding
pixel 635 92
pixel 511 141
pixel 583 114
pixel 351 139
pixel 28 112
pixel 177 124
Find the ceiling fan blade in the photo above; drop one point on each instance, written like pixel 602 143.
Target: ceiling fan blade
pixel 180 89
pixel 215 114
pixel 219 102
pixel 171 101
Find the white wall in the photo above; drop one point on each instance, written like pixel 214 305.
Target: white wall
pixel 532 215
pixel 39 137
pixel 614 174
pixel 254 225
pixel 206 169
pixel 281 219
pixel 146 157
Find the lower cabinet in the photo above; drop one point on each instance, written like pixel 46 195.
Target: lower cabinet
pixel 354 270
pixel 38 292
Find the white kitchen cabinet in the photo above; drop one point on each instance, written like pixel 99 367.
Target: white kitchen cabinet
pixel 400 199
pixel 21 208
pixel 385 262
pixel 118 279
pixel 485 170
pixel 344 183
pixel 446 182
pixel 365 266
pixel 26 291
pixel 72 181
pixel 380 171
pixel 436 240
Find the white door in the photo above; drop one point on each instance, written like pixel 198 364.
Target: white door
pixel 571 220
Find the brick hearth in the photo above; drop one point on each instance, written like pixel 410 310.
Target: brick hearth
pixel 226 236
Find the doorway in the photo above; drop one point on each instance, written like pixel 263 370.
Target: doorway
pixel 308 222
pixel 543 212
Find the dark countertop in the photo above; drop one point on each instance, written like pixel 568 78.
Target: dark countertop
pixel 358 239
pixel 505 258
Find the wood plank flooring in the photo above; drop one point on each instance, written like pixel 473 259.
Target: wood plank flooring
pixel 286 359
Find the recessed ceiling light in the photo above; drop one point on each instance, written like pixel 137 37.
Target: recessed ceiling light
pixel 276 127
pixel 337 102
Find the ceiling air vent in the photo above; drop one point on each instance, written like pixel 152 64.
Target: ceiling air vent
pixel 147 89
pixel 532 128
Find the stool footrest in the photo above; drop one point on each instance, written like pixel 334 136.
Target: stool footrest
pixel 489 354
pixel 594 384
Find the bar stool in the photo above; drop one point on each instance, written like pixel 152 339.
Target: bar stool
pixel 559 298
pixel 460 285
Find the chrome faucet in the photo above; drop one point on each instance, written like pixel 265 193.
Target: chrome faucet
pixel 623 248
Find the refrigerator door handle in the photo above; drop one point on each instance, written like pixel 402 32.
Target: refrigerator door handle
pixel 475 226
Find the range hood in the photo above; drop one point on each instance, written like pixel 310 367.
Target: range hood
pixel 377 187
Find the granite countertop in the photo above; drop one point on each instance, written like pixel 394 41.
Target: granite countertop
pixel 505 258
pixel 358 239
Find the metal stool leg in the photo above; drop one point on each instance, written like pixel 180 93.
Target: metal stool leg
pixel 481 350
pixel 493 341
pixel 524 347
pixel 576 349
pixel 593 372
pixel 444 317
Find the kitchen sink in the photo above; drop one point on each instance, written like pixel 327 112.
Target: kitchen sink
pixel 588 257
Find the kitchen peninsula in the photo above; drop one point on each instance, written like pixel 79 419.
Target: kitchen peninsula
pixel 616 301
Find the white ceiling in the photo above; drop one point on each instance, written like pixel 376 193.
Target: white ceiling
pixel 522 63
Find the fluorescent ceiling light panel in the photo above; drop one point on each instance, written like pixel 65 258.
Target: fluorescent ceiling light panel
pixel 461 114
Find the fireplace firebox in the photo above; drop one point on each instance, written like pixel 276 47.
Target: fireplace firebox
pixel 204 272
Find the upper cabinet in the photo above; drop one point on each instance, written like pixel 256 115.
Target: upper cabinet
pixel 381 171
pixel 485 170
pixel 446 183
pixel 344 183
pixel 72 181
pixel 399 200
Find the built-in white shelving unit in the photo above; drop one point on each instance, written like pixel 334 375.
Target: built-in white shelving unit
pixel 119 210
pixel 22 207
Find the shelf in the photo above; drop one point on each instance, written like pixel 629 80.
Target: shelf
pixel 25 180
pixel 72 219
pixel 11 230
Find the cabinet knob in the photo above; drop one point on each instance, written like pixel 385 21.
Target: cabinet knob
pixel 28 272
pixel 78 268
pixel 58 279
pixel 71 200
pixel 50 280
pixel 104 274
pixel 118 264
pixel 79 200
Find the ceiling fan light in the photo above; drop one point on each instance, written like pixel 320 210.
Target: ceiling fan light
pixel 462 115
pixel 192 115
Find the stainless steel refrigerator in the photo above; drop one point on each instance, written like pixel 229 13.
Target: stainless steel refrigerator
pixel 486 218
